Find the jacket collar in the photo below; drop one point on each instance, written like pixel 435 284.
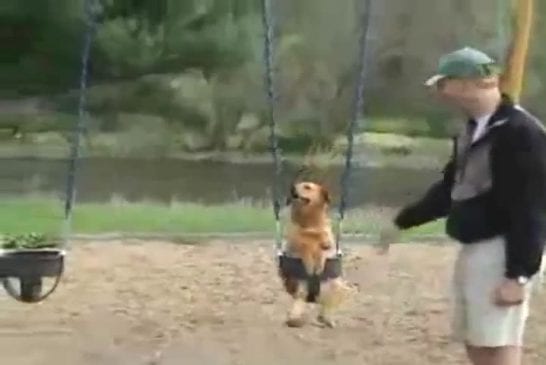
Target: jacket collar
pixel 503 112
pixel 499 117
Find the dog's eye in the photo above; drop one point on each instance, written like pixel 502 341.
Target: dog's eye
pixel 307 187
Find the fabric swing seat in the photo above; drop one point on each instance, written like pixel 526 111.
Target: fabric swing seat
pixel 291 269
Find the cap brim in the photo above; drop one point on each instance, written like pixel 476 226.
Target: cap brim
pixel 434 80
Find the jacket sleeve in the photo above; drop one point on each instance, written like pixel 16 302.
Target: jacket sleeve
pixel 433 205
pixel 521 181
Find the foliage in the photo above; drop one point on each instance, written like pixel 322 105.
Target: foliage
pixel 197 65
pixel 27 241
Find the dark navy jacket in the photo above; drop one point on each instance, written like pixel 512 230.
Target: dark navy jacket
pixel 495 186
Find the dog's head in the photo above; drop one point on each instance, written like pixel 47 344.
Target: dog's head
pixel 308 194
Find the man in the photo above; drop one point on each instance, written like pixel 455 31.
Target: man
pixel 493 193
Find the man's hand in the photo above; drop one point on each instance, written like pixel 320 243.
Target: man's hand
pixel 387 236
pixel 509 293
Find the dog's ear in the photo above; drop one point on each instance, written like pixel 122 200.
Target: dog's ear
pixel 325 194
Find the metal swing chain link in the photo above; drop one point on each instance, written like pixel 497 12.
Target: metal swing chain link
pixel 267 18
pixel 92 10
pixel 358 104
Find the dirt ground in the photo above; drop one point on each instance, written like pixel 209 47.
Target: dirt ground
pixel 220 303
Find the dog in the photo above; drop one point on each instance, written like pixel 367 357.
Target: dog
pixel 309 236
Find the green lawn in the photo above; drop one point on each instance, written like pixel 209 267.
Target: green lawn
pixel 44 215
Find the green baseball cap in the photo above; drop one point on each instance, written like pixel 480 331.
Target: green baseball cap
pixel 464 63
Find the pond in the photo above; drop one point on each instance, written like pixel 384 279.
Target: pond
pixel 207 182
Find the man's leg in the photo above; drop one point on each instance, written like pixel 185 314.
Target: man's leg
pixel 493 334
pixel 477 355
pixel 507 355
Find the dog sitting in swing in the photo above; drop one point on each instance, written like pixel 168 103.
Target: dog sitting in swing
pixel 309 237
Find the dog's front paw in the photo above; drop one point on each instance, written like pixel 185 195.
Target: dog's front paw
pixel 326 321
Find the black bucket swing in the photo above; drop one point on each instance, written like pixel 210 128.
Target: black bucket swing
pixel 292 267
pixel 31 266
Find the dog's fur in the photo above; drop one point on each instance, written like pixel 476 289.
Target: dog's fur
pixel 310 237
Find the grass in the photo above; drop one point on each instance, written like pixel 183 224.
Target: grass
pixel 44 215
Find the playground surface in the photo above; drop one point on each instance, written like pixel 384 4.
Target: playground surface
pixel 220 303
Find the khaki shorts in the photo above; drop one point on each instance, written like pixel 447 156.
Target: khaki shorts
pixel 477 321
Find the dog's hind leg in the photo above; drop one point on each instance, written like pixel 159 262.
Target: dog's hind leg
pixel 296 315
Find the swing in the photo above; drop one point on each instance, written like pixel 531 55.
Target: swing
pixel 292 267
pixel 31 266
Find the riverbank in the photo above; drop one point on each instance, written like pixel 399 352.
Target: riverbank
pixel 371 149
pixel 44 215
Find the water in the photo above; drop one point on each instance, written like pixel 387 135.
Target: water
pixel 101 179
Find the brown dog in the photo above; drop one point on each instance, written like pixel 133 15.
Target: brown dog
pixel 310 238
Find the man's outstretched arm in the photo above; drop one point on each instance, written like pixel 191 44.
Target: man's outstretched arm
pixel 433 205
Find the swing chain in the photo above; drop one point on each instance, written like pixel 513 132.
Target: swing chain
pixel 267 18
pixel 92 11
pixel 357 112
pixel 358 104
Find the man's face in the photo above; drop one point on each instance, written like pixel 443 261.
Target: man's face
pixel 452 91
pixel 464 93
